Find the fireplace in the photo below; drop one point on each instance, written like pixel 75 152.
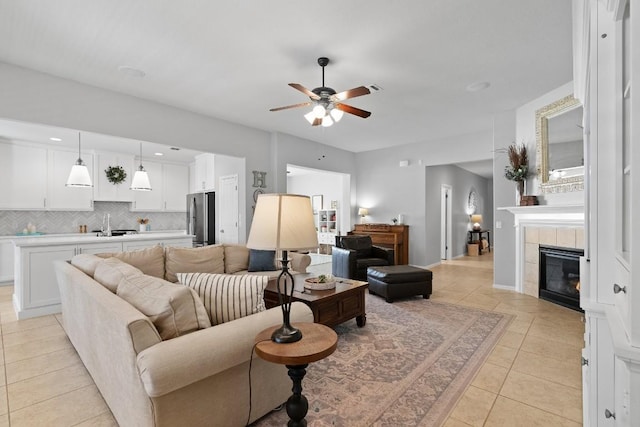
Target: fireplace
pixel 559 277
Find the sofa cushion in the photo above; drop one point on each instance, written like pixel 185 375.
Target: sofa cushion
pixel 227 297
pixel 109 272
pixel 236 258
pixel 86 263
pixel 260 260
pixel 175 310
pixel 206 259
pixel 149 260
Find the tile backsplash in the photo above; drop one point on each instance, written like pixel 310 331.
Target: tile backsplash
pixel 51 222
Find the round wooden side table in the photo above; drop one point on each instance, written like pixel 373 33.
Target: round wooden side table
pixel 318 341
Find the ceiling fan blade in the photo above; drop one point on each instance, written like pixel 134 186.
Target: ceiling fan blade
pixel 351 93
pixel 304 90
pixel 353 110
pixel 302 104
pixel 316 122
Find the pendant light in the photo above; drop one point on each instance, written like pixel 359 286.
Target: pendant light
pixel 79 175
pixel 140 181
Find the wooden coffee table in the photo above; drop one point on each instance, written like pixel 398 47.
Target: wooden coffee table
pixel 330 307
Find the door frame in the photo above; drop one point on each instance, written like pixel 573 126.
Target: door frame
pixel 446 193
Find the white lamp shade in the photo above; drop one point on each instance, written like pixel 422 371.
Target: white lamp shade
pixel 363 212
pixel 319 111
pixel 283 222
pixel 327 121
pixel 79 176
pixel 336 114
pixel 140 181
pixel 310 116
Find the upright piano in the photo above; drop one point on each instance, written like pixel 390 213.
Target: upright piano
pixel 388 236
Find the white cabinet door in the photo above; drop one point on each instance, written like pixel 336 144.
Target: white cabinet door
pixel 205 178
pixel 59 196
pixel 107 191
pixel 150 201
pixel 23 173
pixel 98 248
pixel 6 260
pixel 39 287
pixel 135 246
pixel 175 179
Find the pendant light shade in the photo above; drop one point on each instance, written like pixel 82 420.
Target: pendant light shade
pixel 140 181
pixel 79 175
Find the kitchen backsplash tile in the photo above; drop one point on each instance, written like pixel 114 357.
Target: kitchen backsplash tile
pixel 12 222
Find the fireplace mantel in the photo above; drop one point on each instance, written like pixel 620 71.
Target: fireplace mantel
pixel 540 216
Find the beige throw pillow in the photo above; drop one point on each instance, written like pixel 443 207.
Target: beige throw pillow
pixel 175 310
pixel 207 259
pixel 149 260
pixel 227 297
pixel 236 258
pixel 86 263
pixel 109 272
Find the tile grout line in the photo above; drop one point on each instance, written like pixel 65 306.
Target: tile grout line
pixel 4 365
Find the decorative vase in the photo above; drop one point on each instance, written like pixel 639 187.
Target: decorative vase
pixel 143 227
pixel 520 192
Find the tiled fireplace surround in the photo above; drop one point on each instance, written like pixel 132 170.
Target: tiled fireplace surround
pixel 561 226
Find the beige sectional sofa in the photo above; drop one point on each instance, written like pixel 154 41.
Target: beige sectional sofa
pixel 198 378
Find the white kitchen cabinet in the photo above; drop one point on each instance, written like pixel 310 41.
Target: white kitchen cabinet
pixel 36 291
pixel 170 185
pixel 98 248
pixel 175 185
pixel 23 173
pixel 205 179
pixel 186 242
pixel 150 201
pixel 59 196
pixel 6 260
pixel 105 190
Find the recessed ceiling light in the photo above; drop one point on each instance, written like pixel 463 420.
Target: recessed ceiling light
pixel 478 86
pixel 174 148
pixel 131 71
pixel 159 154
pixel 53 138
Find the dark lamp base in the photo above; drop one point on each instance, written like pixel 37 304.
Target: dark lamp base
pixel 286 334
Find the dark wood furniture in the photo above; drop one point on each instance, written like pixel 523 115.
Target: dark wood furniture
pixel 330 307
pixel 318 342
pixel 471 233
pixel 388 236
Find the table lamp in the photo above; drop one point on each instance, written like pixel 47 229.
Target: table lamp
pixel 283 222
pixel 362 212
pixel 476 220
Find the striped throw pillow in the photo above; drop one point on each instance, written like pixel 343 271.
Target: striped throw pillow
pixel 227 297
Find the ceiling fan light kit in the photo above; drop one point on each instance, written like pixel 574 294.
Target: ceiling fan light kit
pixel 327 106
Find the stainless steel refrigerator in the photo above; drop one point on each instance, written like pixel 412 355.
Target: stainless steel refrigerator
pixel 201 218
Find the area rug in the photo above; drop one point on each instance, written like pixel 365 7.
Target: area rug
pixel 407 366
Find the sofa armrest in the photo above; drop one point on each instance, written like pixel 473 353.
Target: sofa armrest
pixel 178 362
pixel 299 262
pixel 384 253
pixel 343 262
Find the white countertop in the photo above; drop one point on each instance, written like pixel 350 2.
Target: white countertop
pixel 74 238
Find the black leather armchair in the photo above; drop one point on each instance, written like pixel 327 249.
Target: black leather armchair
pixel 352 255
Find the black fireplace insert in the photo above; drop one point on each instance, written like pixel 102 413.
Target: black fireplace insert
pixel 559 277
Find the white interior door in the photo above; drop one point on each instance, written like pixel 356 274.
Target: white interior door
pixel 445 222
pixel 228 209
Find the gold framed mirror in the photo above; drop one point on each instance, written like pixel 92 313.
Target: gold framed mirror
pixel 560 146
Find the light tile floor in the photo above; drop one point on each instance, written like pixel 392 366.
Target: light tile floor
pixel 43 382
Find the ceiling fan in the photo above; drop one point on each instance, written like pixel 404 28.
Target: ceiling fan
pixel 327 104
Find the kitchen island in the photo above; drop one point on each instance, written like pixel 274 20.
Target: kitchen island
pixel 35 288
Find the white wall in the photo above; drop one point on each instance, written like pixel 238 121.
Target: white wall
pixel 388 189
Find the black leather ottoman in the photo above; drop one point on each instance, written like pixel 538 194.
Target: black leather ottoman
pixel 399 281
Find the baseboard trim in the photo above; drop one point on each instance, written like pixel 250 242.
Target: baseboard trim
pixel 504 287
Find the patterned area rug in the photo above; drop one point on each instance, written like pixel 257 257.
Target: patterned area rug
pixel 407 366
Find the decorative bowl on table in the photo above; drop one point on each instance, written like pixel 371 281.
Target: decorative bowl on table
pixel 319 283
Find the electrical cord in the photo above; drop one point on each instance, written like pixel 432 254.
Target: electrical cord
pixel 250 364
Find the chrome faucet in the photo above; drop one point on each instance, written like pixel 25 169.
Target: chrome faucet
pixel 106 219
